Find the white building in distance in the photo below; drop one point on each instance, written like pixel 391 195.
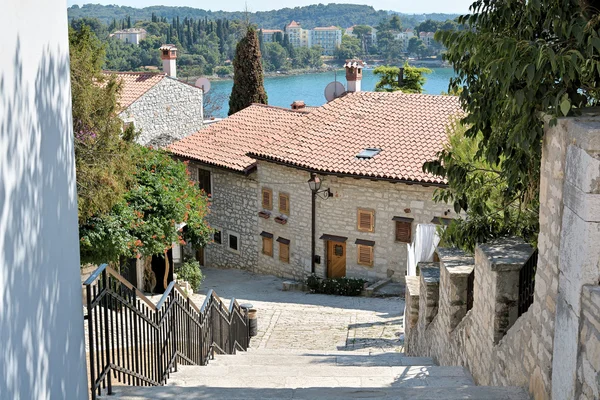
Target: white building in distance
pixel 131 35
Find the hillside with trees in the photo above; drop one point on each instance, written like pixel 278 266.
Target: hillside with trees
pixel 343 15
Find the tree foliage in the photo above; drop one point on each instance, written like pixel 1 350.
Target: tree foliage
pixel 102 150
pixel 248 85
pixel 515 62
pixel 412 82
pixel 144 222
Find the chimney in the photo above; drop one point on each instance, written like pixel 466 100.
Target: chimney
pixel 401 77
pixel 298 105
pixel 353 74
pixel 168 54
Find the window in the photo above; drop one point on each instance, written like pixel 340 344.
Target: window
pixel 267 199
pixel 234 242
pixel 267 243
pixel 365 255
pixel 284 203
pixel 403 229
pixel 204 181
pixel 366 220
pixel 217 237
pixel 284 249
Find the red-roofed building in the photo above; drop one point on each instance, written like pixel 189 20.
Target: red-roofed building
pixel 367 148
pixel 161 107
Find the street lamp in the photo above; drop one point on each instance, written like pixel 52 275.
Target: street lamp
pixel 314 183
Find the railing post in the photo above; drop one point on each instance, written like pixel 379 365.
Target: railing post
pixel 188 329
pixel 173 336
pixel 158 365
pixel 88 290
pixel 106 332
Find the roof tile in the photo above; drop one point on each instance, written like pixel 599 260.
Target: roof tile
pixel 135 84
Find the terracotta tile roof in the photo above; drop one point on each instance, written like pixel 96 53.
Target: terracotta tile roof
pixel 408 128
pixel 326 28
pixel 225 143
pixel 293 24
pixel 135 84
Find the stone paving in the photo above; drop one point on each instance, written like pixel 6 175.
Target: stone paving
pixel 304 321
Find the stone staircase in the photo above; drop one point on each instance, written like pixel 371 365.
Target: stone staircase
pixel 272 374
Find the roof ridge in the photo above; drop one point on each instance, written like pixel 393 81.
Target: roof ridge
pixel 106 71
pixel 281 108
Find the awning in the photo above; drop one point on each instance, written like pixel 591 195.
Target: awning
pixel 403 219
pixel 365 242
pixel 282 240
pixel 334 238
pixel 266 234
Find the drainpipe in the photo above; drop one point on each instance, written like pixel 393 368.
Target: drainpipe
pixel 314 229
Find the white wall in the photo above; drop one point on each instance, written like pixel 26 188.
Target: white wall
pixel 41 319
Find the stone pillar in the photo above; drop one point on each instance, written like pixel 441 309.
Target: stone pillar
pixel 579 253
pixel 500 262
pixel 411 314
pixel 429 293
pixel 455 269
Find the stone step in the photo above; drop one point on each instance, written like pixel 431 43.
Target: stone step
pixel 306 375
pixel 318 393
pixel 352 359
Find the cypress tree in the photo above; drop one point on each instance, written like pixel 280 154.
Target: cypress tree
pixel 247 74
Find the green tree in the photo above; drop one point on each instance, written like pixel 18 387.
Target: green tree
pixel 350 48
pixel 144 222
pixel 102 151
pixel 247 74
pixel 412 82
pixel 275 57
pixel 416 46
pixel 516 62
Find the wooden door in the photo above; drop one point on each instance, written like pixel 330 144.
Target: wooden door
pixel 336 259
pixel 200 256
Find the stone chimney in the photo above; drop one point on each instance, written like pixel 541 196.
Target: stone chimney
pixel 168 54
pixel 298 105
pixel 353 74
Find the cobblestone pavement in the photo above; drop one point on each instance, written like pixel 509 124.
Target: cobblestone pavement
pixel 303 321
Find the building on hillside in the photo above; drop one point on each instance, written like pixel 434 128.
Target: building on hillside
pixel 404 37
pixel 298 37
pixel 158 105
pixel 268 35
pixel 131 35
pixel 427 38
pixel 328 38
pixel 366 148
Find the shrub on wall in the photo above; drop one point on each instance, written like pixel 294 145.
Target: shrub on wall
pixel 339 286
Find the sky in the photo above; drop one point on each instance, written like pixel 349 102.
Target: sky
pixel 407 7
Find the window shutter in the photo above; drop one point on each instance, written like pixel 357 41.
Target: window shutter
pixel 403 231
pixel 267 199
pixel 366 220
pixel 267 246
pixel 284 252
pixel 284 203
pixel 365 255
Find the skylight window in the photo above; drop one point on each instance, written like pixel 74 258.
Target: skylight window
pixel 368 153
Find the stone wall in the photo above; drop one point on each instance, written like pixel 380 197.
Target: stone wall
pixel 338 216
pixel 233 201
pixel 498 348
pixel 169 111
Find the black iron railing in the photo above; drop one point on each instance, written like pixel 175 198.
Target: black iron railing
pixel 135 342
pixel 470 288
pixel 527 283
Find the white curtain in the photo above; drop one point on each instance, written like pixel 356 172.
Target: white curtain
pixel 423 247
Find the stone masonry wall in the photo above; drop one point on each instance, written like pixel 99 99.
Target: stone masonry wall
pixel 557 363
pixel 169 111
pixel 338 216
pixel 234 196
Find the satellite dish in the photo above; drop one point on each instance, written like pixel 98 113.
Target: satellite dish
pixel 334 90
pixel 203 84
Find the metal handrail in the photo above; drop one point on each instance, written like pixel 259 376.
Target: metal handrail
pixel 136 342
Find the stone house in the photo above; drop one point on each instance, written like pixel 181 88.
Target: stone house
pixel 131 35
pixel 161 107
pixel 366 148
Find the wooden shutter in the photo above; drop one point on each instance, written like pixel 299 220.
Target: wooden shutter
pixel 204 181
pixel 403 231
pixel 284 203
pixel 267 199
pixel 267 246
pixel 284 252
pixel 366 220
pixel 365 255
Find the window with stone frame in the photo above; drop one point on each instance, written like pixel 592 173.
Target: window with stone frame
pixel 403 229
pixel 234 242
pixel 365 220
pixel 284 203
pixel 267 199
pixel 364 255
pixel 284 250
pixel 204 181
pixel 217 237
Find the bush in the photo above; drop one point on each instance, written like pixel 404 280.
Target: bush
pixel 222 71
pixel 191 273
pixel 339 286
